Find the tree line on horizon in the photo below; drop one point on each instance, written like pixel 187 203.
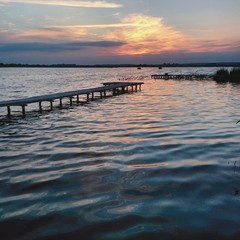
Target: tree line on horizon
pixel 229 64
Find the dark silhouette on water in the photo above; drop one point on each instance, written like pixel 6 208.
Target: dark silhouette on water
pixel 224 76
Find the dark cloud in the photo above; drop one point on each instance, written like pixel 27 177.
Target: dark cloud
pixel 52 47
pixel 85 58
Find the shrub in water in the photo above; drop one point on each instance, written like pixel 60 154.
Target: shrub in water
pixel 221 75
pixel 235 75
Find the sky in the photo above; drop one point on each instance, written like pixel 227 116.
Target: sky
pixel 119 32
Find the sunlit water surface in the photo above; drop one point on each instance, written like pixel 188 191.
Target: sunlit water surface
pixel 163 163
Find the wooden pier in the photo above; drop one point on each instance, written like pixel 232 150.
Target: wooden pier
pixel 108 89
pixel 167 76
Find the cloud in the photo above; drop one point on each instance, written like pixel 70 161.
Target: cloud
pixel 147 35
pixel 68 33
pixel 96 26
pixel 150 35
pixel 219 45
pixel 142 34
pixel 73 3
pixel 56 47
pixel 52 34
pixel 134 36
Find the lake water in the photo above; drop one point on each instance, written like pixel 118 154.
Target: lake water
pixel 163 163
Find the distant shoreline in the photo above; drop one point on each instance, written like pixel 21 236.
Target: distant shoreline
pixel 16 65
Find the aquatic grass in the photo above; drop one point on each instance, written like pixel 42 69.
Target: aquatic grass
pixel 235 75
pixel 223 75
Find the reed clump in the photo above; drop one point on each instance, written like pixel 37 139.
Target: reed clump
pixel 224 75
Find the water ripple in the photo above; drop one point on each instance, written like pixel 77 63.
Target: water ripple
pixel 158 164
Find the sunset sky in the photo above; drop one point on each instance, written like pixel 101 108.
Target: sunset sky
pixel 127 31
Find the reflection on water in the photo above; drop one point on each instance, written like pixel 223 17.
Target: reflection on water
pixel 158 164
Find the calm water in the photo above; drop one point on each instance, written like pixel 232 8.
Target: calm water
pixel 163 163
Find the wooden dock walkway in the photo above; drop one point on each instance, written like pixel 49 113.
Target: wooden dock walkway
pixel 167 76
pixel 114 88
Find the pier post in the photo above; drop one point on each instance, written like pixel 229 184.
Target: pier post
pixel 87 97
pixel 9 111
pixel 70 100
pixel 23 111
pixel 51 105
pixel 105 94
pixel 101 96
pixel 40 107
pixel 60 99
pixel 92 95
pixel 77 99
